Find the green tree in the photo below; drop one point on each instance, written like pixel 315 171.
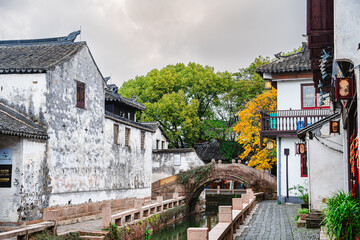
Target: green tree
pixel 176 91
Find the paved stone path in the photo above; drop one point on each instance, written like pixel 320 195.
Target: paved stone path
pixel 276 221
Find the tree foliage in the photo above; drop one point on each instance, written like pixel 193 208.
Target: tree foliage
pixel 180 97
pixel 248 129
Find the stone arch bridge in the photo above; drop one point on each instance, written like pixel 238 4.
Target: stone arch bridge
pixel 192 182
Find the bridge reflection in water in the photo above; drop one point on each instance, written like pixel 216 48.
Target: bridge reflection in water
pixel 178 230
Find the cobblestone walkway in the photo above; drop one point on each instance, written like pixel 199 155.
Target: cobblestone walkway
pixel 276 221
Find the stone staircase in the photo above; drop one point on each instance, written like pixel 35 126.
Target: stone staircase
pixel 314 219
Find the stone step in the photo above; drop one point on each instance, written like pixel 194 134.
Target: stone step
pixel 313 223
pixel 93 233
pixel 89 237
pixel 301 223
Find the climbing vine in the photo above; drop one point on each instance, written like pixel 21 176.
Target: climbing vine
pixel 198 174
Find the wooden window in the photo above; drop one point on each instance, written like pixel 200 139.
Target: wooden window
pixel 310 99
pixel 116 133
pixel 304 167
pixel 80 94
pixel 142 140
pixel 127 137
pixel 157 144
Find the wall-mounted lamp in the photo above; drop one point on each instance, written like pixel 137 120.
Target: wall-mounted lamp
pixel 268 85
pixel 269 145
pixel 344 88
pixel 334 127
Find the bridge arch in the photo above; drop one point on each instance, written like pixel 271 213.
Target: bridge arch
pixel 192 182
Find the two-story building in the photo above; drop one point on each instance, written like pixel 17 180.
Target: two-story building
pixel 66 139
pixel 298 106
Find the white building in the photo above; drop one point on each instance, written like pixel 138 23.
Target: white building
pixel 60 147
pixel 297 106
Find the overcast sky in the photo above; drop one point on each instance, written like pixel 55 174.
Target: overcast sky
pixel 131 37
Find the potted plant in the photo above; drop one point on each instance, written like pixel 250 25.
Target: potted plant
pixel 303 212
pixel 303 193
pixel 342 216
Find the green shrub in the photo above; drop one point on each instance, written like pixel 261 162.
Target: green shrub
pixel 342 216
pixel 303 211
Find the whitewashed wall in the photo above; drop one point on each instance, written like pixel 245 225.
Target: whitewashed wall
pixel 169 162
pixel 346 30
pixel 294 167
pixel 289 93
pixel 25 93
pixel 29 183
pixel 327 167
pixel 80 161
pixel 159 136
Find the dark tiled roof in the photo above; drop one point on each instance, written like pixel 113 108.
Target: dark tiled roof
pixel 127 121
pixel 154 126
pixel 110 96
pixel 293 63
pixel 209 151
pixel 34 58
pixel 13 123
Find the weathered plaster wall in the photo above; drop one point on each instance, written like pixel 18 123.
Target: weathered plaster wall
pixel 28 194
pixel 25 93
pixel 34 189
pixel 159 136
pixel 294 164
pixel 289 93
pixel 75 143
pixel 346 34
pixel 10 197
pixel 163 164
pixel 325 152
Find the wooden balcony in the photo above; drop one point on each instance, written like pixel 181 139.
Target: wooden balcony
pixel 286 123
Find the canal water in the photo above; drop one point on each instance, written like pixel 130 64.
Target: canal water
pixel 178 230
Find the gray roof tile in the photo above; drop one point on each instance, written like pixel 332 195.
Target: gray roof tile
pixel 36 57
pixel 13 123
pixel 293 63
pixel 110 96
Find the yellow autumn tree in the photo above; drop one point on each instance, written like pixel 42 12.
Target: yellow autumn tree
pixel 248 129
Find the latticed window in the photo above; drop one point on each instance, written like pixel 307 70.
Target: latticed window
pixel 80 94
pixel 142 140
pixel 127 137
pixel 116 133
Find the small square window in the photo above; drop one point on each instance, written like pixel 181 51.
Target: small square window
pixel 80 94
pixel 127 137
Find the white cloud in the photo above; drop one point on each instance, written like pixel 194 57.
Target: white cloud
pixel 131 37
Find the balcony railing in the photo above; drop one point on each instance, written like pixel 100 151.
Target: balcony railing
pixel 288 122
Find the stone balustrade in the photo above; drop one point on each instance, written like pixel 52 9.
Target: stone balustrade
pixel 225 191
pixel 139 212
pixel 230 218
pixel 24 232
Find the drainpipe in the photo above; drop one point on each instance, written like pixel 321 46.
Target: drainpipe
pixel 279 169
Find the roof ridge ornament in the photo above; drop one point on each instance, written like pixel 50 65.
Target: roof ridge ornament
pixel 69 38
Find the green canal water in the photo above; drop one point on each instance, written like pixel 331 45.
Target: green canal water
pixel 178 230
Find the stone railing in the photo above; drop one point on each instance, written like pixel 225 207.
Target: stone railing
pixel 24 232
pixel 225 191
pixel 230 218
pixel 139 212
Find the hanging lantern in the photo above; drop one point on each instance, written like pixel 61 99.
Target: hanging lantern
pixel 344 88
pixel 300 148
